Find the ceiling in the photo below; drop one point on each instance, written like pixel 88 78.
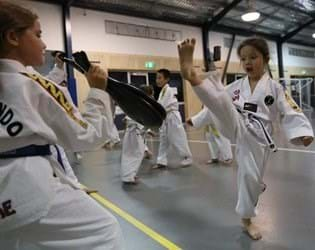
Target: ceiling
pixel 282 20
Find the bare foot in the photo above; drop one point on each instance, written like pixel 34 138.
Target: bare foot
pixel 186 52
pixel 148 154
pixel 213 161
pixel 108 146
pixel 159 166
pixel 251 229
pixel 228 162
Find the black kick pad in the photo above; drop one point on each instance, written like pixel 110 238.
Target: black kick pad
pixel 133 101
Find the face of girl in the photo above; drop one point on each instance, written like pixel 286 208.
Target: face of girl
pixel 30 47
pixel 252 62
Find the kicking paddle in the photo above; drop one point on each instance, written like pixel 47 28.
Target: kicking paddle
pixel 133 101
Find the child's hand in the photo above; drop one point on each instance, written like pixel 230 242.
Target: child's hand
pixel 306 140
pixel 97 77
pixel 189 122
pixel 58 61
pixel 186 52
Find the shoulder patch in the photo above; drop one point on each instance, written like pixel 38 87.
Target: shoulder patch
pixel 291 102
pixel 57 94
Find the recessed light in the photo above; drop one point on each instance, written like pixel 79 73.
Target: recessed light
pixel 250 16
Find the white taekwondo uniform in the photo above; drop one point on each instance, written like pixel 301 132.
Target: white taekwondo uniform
pixel 172 132
pixel 252 146
pixel 219 146
pixel 133 149
pixel 114 135
pixel 37 207
pixel 58 76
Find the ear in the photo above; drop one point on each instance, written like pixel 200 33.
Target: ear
pixel 12 38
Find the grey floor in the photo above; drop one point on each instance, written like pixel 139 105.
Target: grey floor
pixel 194 207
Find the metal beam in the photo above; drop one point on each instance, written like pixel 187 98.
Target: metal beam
pixel 68 49
pixel 299 42
pixel 228 58
pixel 206 28
pixel 280 59
pixel 243 32
pixel 253 26
pixel 283 6
pixel 205 47
pixel 222 13
pixel 297 30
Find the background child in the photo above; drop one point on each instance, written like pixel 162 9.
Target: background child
pixel 172 132
pixel 219 146
pixel 134 147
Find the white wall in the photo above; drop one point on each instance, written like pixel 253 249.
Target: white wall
pixel 50 16
pixel 289 60
pixel 88 33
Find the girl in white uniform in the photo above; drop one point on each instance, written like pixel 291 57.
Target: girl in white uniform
pixel 134 147
pixel 246 111
pixel 36 207
pixel 219 146
pixel 172 132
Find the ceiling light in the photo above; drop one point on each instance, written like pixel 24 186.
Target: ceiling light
pixel 313 35
pixel 250 16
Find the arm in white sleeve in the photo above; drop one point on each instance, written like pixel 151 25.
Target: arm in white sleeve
pixel 168 98
pixel 72 130
pixel 294 123
pixel 56 75
pixel 202 118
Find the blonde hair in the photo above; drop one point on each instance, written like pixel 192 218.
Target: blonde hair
pixel 14 17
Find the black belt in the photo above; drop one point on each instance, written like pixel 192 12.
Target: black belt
pixel 28 151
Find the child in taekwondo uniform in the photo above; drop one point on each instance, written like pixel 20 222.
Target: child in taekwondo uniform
pixel 172 132
pixel 38 208
pixel 219 146
pixel 246 110
pixel 134 147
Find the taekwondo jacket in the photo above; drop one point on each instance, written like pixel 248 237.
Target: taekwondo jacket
pixel 34 110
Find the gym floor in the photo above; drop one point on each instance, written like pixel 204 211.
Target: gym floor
pixel 193 208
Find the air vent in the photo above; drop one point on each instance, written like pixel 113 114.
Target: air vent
pixel 127 29
pixel 301 52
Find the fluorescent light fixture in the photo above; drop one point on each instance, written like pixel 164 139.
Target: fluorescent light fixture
pixel 313 35
pixel 251 16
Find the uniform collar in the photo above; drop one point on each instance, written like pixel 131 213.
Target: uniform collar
pixel 11 66
pixel 164 87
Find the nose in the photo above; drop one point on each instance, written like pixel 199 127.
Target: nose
pixel 44 46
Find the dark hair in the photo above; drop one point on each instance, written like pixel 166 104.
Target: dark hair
pixel 148 89
pixel 165 72
pixel 14 17
pixel 258 43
